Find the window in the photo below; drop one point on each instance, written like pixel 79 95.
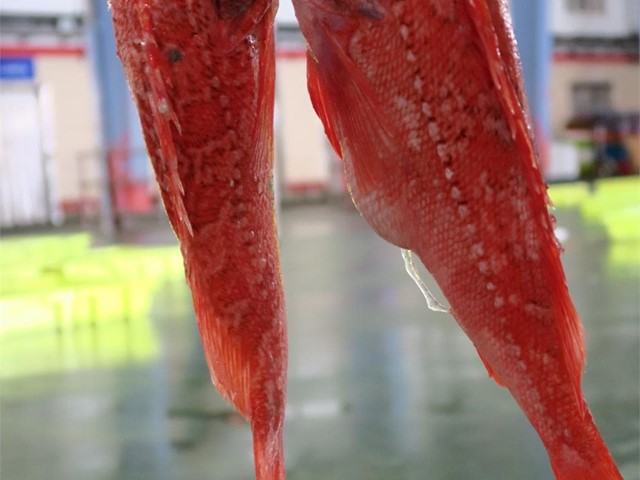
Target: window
pixel 585 6
pixel 591 97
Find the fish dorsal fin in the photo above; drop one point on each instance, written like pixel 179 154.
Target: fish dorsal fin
pixel 503 69
pixel 354 118
pixel 263 131
pixel 165 120
pixel 493 24
pixel 497 41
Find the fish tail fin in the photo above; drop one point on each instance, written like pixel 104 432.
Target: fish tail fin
pixel 589 460
pixel 268 453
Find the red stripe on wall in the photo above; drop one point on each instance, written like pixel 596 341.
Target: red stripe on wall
pixel 34 50
pixel 291 54
pixel 305 187
pixel 79 206
pixel 596 57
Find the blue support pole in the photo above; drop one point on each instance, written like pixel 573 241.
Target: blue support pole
pixel 114 93
pixel 531 24
pixel 121 133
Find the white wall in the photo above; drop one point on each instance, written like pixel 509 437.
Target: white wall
pixel 43 7
pixel 623 78
pixel 22 163
pixel 304 151
pixel 79 7
pixel 633 13
pixel 619 19
pixel 286 16
pixel 75 119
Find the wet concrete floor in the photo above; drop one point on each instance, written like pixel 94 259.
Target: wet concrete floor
pixel 379 386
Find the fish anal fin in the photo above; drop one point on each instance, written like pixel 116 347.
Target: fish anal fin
pixel 492 373
pixel 228 364
pixel 357 120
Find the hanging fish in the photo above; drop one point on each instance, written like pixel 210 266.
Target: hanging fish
pixel 424 102
pixel 202 77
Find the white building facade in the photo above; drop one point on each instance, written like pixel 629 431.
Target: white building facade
pixel 47 106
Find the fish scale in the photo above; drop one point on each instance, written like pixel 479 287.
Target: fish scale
pixel 202 76
pixel 424 102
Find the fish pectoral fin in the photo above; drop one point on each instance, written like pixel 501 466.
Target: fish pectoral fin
pixel 315 92
pixel 492 373
pixel 165 120
pixel 235 22
pixel 354 118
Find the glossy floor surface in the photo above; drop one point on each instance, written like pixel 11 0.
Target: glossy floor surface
pixel 380 388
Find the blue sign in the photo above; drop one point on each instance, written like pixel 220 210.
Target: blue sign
pixel 16 68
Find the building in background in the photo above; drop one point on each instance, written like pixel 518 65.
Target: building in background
pixel 49 116
pixel 306 163
pixel 587 71
pixel 595 85
pixel 71 141
pixel 68 118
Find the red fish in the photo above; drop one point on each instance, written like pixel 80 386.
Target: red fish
pixel 202 77
pixel 424 101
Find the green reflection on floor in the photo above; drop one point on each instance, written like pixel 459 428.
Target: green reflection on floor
pixel 624 256
pixel 379 386
pixel 64 305
pixel 613 203
pixel 565 195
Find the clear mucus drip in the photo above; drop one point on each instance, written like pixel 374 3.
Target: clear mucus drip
pixel 432 303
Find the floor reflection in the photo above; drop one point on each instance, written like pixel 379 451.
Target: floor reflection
pixel 379 386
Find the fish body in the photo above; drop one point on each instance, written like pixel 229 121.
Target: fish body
pixel 202 76
pixel 424 102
